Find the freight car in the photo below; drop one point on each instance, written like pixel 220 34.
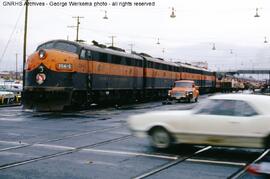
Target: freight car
pixel 63 73
pixel 227 83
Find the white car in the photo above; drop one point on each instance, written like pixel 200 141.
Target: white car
pixel 236 120
pixel 6 97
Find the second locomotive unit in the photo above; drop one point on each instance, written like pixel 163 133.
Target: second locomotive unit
pixel 63 73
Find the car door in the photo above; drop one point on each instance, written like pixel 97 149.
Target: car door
pixel 248 126
pixel 215 122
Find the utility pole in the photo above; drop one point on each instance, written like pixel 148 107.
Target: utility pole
pixel 163 52
pixel 131 47
pixel 269 79
pixel 112 37
pixel 25 39
pixel 16 73
pixel 77 27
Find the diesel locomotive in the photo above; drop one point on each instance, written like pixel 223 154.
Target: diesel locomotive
pixel 63 73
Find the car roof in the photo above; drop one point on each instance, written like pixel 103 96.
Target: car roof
pixel 260 102
pixel 190 81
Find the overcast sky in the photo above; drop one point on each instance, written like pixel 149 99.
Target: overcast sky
pixel 230 24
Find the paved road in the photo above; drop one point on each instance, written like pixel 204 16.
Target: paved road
pixel 97 144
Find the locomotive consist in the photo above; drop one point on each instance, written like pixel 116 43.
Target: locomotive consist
pixel 63 73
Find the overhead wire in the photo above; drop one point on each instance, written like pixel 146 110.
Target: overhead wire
pixel 11 35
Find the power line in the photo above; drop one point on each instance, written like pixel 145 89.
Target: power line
pixel 12 33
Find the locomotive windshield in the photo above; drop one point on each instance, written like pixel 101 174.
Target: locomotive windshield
pixel 59 46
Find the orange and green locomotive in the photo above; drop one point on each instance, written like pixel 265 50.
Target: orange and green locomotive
pixel 63 73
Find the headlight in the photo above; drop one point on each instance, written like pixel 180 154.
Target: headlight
pixel 42 54
pixel 64 66
pixel 189 92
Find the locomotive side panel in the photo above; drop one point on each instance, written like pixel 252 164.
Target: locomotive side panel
pixel 160 75
pixel 116 73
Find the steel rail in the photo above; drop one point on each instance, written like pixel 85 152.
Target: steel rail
pixel 170 164
pixel 242 170
pixel 23 145
pixel 65 152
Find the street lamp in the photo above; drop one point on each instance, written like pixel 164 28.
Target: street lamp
pixel 257 14
pixel 158 41
pixel 265 40
pixel 214 46
pixel 105 16
pixel 172 14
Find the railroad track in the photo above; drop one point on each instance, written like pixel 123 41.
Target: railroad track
pixel 179 160
pixel 170 164
pixel 242 170
pixel 23 145
pixel 65 152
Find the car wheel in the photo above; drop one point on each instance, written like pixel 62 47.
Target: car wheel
pixel 160 138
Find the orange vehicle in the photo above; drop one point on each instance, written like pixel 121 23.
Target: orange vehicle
pixel 184 90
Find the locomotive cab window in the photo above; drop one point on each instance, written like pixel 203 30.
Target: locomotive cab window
pixel 83 54
pixel 65 47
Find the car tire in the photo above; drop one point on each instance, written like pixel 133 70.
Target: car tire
pixel 160 138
